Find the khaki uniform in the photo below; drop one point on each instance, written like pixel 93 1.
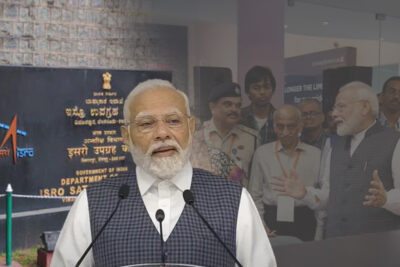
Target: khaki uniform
pixel 239 144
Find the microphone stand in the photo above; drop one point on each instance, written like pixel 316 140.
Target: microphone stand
pixel 189 199
pixel 122 194
pixel 160 217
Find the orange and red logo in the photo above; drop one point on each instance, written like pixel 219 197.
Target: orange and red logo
pixel 12 132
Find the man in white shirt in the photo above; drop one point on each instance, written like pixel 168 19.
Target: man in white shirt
pixel 361 172
pixel 158 131
pixel 279 160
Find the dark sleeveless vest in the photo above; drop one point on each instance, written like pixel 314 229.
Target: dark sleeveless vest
pixel 131 237
pixel 350 178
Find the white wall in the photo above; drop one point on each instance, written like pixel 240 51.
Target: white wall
pixel 214 45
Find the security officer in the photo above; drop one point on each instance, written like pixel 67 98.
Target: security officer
pixel 223 130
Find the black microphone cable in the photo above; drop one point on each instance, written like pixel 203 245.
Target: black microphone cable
pixel 160 218
pixel 189 199
pixel 122 194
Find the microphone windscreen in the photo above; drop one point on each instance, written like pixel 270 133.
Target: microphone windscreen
pixel 123 191
pixel 160 215
pixel 188 197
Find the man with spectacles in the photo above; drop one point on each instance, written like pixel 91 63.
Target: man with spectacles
pixel 313 118
pixel 159 131
pixel 361 174
pixel 390 103
pixel 314 134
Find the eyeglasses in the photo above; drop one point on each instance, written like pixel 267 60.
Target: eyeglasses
pixel 146 124
pixel 310 114
pixel 290 127
pixel 340 106
pixel 392 92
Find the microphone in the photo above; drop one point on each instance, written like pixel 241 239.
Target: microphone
pixel 160 217
pixel 189 199
pixel 122 194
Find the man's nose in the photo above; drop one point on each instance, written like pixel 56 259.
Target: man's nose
pixel 285 130
pixel 334 113
pixel 235 109
pixel 161 131
pixel 263 90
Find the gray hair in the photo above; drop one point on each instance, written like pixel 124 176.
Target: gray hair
pixel 363 92
pixel 287 106
pixel 149 85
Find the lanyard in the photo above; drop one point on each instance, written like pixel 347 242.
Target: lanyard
pixel 279 159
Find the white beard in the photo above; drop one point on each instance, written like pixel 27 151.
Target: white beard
pixel 161 167
pixel 350 126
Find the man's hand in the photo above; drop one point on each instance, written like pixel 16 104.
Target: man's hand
pixel 377 193
pixel 269 232
pixel 292 186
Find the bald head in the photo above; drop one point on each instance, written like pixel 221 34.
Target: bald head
pixel 287 111
pixel 288 125
pixel 151 85
pixel 154 101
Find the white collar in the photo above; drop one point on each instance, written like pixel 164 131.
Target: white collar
pixel 182 180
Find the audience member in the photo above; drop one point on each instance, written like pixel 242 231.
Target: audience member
pixel 390 103
pixel 313 118
pixel 223 131
pixel 260 86
pixel 285 159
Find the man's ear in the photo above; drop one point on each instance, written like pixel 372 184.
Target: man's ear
pixel 322 117
pixel 125 134
pixel 211 106
pixel 301 125
pixel 192 125
pixel 366 108
pixel 274 128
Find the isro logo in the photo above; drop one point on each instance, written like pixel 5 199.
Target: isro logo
pixel 12 132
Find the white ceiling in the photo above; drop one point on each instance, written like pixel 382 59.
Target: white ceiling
pixel 345 19
pixel 353 19
pixel 388 7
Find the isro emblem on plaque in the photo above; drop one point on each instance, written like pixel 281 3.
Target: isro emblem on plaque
pixel 12 132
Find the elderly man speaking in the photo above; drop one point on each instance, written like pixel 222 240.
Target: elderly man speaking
pixel 361 175
pixel 158 131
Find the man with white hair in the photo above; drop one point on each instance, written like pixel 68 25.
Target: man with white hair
pixel 285 159
pixel 361 177
pixel 158 131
